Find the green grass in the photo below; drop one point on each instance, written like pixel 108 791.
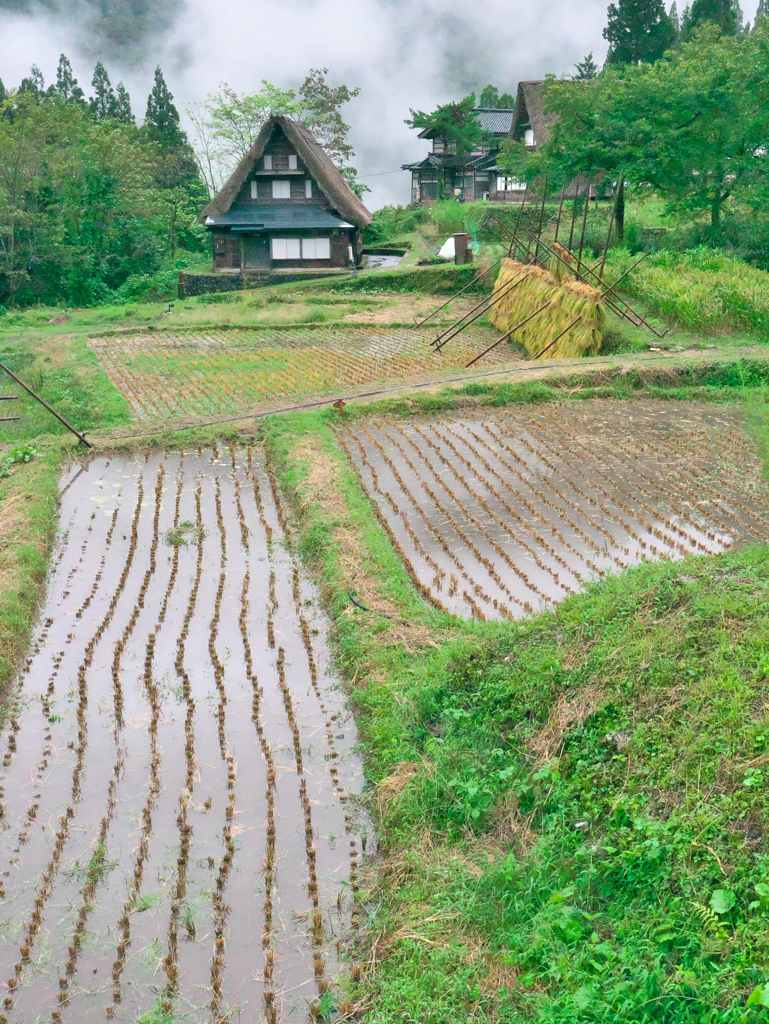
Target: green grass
pixel 28 506
pixel 702 290
pixel 626 877
pixel 67 374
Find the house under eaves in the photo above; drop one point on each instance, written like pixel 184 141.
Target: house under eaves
pixel 286 206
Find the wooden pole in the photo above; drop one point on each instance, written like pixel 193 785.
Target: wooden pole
pixel 584 226
pixel 477 313
pixel 517 327
pixel 541 218
pixel 45 405
pixel 464 288
pixel 558 221
pixel 614 208
pixel 573 217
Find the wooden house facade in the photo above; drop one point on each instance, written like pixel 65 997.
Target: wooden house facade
pixel 443 173
pixel 286 206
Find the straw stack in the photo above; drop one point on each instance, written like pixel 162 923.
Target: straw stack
pixel 571 299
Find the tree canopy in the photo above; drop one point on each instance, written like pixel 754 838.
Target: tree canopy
pixel 638 31
pixel 225 129
pixel 454 122
pixel 726 14
pixel 692 126
pixel 586 69
pixel 88 201
pixel 491 97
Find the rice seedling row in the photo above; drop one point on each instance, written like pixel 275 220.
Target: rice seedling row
pixel 166 374
pixel 522 507
pixel 190 841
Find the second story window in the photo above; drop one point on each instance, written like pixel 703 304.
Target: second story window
pixel 268 162
pixel 292 164
pixel 281 189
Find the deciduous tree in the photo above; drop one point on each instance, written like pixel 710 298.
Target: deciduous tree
pixel 691 127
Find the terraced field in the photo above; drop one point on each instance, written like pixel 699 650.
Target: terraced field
pixel 503 514
pixel 179 829
pixel 167 374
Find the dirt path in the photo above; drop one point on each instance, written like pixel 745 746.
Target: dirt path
pixel 178 824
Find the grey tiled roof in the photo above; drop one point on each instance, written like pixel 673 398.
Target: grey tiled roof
pixel 277 215
pixel 497 122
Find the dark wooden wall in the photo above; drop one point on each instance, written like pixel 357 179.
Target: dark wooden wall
pixel 226 251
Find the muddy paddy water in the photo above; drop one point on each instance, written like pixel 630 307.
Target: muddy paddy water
pixel 500 514
pixel 179 823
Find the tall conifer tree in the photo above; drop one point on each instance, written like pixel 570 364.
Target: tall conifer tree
pixel 675 20
pixel 67 87
pixel 161 122
pixel 638 31
pixel 727 14
pixel 586 69
pixel 103 103
pixel 123 110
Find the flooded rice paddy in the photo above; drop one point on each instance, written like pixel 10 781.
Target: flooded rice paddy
pixel 179 827
pixel 501 514
pixel 168 374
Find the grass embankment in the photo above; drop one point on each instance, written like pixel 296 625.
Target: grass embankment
pixel 67 374
pixel 701 290
pixel 28 511
pixel 572 809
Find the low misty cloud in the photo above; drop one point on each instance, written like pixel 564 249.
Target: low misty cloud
pixel 401 54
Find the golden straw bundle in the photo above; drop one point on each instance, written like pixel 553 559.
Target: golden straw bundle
pixel 570 299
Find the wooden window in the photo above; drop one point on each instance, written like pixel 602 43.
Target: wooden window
pixel 292 165
pixel 268 162
pixel 286 249
pixel 316 248
pixel 307 188
pixel 254 190
pixel 281 189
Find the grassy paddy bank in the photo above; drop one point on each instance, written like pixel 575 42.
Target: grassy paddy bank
pixel 572 809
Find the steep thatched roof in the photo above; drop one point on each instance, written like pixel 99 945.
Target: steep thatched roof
pixel 317 161
pixel 530 109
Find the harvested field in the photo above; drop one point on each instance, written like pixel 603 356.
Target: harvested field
pixel 505 514
pixel 169 374
pixel 179 829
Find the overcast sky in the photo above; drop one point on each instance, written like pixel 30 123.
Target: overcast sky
pixel 402 54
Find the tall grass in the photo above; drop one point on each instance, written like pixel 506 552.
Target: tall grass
pixel 702 289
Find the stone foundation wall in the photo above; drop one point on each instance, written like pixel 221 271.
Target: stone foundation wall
pixel 202 284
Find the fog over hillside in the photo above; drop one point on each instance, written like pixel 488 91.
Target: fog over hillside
pixel 402 53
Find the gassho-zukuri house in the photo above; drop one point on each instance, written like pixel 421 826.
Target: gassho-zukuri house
pixel 286 207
